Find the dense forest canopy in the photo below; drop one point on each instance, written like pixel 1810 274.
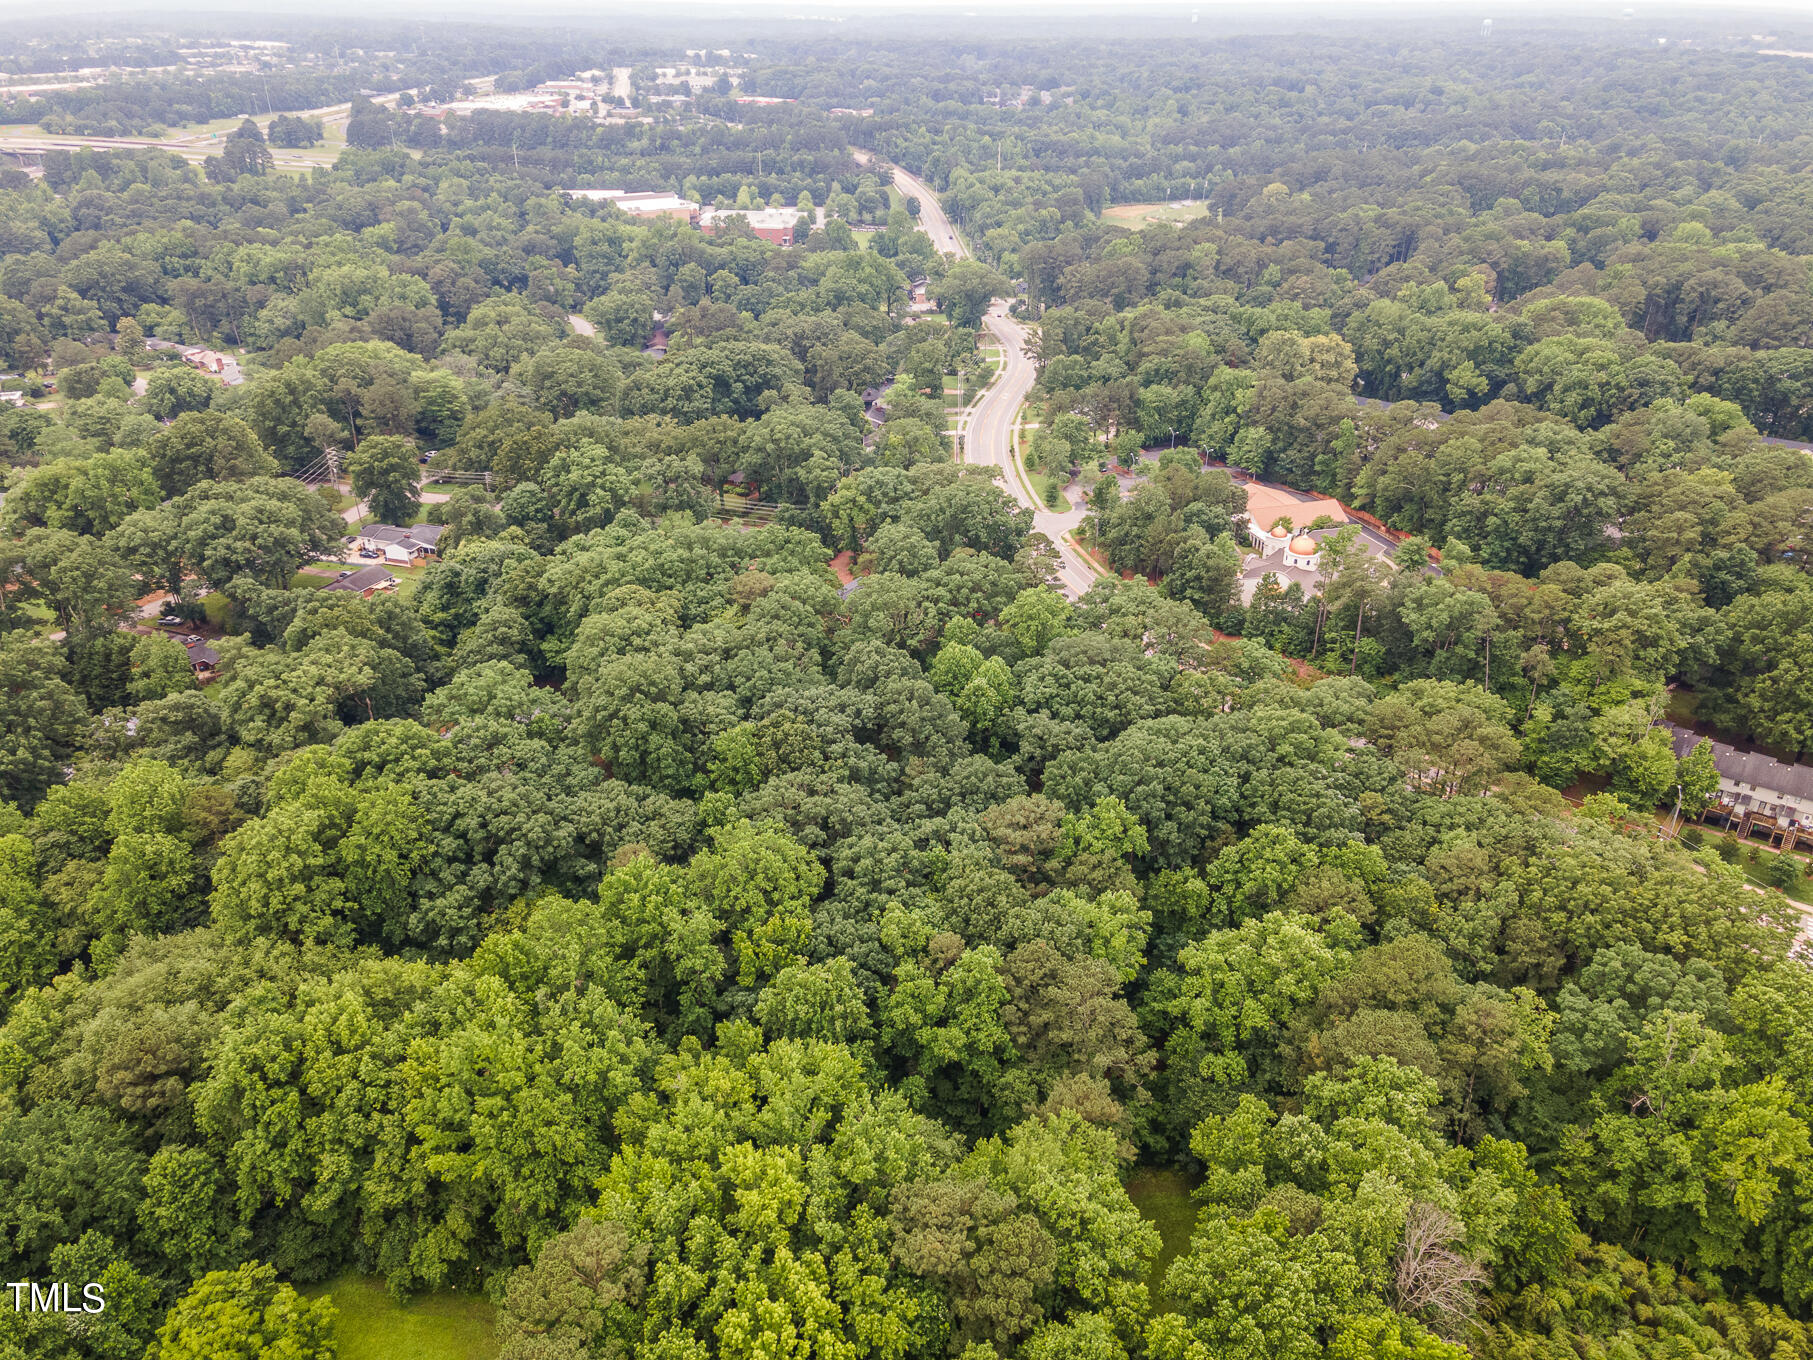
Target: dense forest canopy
pixel 726 901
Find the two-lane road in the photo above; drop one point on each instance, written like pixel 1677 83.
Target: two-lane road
pixel 932 220
pixel 990 441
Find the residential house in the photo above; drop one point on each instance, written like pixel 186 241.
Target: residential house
pixel 1753 785
pixel 873 408
pixel 203 659
pixel 207 360
pixel 405 547
pixel 366 581
pixel 223 366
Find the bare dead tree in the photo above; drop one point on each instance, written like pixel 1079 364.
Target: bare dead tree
pixel 1431 1280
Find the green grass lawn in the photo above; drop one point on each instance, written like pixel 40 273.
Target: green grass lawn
pixel 408 580
pixel 1754 858
pixel 371 1325
pixel 1050 490
pixel 1751 856
pixel 1163 1200
pixel 309 580
pixel 1138 215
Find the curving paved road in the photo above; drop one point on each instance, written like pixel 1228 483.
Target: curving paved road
pixel 989 428
pixel 990 440
pixel 196 147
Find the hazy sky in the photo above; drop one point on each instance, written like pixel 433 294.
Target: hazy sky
pixel 1213 15
pixel 524 9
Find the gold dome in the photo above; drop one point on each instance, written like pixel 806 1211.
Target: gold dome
pixel 1303 546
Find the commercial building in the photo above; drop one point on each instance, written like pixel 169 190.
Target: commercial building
pixel 775 225
pixel 643 204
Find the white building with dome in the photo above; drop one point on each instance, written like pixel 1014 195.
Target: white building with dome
pixel 1303 551
pixel 1290 556
pixel 1296 550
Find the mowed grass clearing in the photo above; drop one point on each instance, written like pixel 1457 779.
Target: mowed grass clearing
pixel 1145 214
pixel 371 1325
pixel 1163 1198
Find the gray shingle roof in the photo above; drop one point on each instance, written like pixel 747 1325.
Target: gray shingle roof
pixel 1750 767
pixel 363 579
pixel 426 535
